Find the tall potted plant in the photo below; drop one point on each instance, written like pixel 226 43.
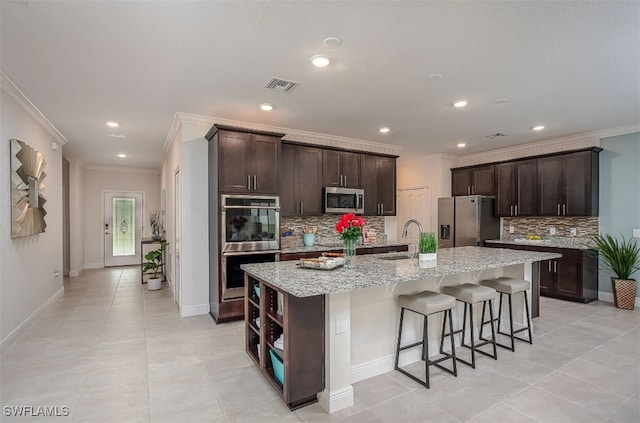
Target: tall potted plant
pixel 154 262
pixel 623 259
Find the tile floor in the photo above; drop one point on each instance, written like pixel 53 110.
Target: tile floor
pixel 113 352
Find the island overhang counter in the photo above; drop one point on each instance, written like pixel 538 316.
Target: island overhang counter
pixel 360 313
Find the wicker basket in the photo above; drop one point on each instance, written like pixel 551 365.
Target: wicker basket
pixel 624 293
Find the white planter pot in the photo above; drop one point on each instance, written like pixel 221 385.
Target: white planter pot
pixel 154 284
pixel 427 256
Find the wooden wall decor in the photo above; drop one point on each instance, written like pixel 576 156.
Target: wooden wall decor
pixel 27 202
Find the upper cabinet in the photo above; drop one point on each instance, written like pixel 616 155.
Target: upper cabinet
pixel 477 180
pixel 248 162
pixel 516 193
pixel 341 169
pixel 301 181
pixel 568 184
pixel 379 184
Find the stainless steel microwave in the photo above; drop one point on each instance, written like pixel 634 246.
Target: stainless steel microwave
pixel 343 200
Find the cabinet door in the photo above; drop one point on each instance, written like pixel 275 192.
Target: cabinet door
pixel 331 168
pixel 550 189
pixel 483 180
pixel 526 189
pixel 569 276
pixel 309 180
pixel 265 159
pixel 460 182
pixel 505 189
pixel 234 161
pixel 547 277
pixel 350 169
pixel 387 185
pixel 288 200
pixel 370 184
pixel 577 184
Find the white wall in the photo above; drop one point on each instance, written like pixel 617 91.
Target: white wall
pixel 170 164
pixel 96 181
pixel 76 217
pixel 26 264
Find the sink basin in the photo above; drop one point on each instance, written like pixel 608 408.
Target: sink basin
pixel 397 257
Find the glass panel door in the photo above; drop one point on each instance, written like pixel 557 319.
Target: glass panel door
pixel 122 228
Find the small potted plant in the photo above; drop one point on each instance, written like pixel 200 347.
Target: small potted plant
pixel 623 259
pixel 427 246
pixel 154 262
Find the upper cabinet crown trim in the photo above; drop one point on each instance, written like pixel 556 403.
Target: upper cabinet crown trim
pixel 217 127
pixel 539 156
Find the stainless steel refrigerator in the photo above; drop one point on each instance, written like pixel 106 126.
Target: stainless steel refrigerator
pixel 467 220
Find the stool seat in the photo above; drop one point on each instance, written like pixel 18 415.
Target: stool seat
pixel 427 302
pixel 470 293
pixel 507 285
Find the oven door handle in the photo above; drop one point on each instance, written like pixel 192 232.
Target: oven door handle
pixel 225 208
pixel 249 253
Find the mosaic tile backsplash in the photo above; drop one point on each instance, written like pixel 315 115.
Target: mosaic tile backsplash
pixel 585 226
pixel 326 234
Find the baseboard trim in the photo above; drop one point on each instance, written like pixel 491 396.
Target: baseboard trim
pixel 337 400
pixel 608 297
pixel 75 273
pixel 93 266
pixel 8 340
pixel 195 310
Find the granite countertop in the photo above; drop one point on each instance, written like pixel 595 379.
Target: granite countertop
pixel 577 243
pixel 336 246
pixel 371 270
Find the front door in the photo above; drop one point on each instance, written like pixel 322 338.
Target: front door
pixel 122 228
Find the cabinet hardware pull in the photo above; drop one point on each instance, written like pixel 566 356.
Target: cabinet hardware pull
pixel 516 209
pixel 255 182
pixel 555 266
pixel 381 208
pixel 301 207
pixel 297 207
pixel 248 182
pixel 473 189
pixel 558 209
pixel 511 211
pixel 549 266
pixel 564 209
pixel 468 190
pixel 345 180
pixel 340 183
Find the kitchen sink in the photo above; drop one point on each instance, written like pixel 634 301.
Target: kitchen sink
pixel 397 257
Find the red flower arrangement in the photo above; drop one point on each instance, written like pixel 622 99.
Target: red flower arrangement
pixel 350 227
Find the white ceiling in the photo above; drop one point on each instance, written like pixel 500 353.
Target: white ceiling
pixel 572 66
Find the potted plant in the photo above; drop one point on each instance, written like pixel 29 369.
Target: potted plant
pixel 623 259
pixel 427 246
pixel 155 262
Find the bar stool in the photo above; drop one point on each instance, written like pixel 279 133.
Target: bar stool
pixel 470 294
pixel 427 303
pixel 510 286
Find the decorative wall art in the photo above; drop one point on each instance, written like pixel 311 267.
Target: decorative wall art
pixel 27 202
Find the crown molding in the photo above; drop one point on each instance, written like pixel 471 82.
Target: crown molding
pixel 122 169
pixel 572 142
pixel 14 92
pixel 305 137
pixel 174 130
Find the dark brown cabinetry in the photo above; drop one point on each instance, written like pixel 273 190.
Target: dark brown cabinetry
pixel 248 162
pixel 379 184
pixel 341 169
pixel 477 180
pixel 271 314
pixel 572 277
pixel 301 181
pixel 359 252
pixel 568 184
pixel 516 189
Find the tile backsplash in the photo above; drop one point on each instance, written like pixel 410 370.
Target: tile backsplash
pixel 326 233
pixel 585 226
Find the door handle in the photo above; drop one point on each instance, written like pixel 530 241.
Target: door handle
pixel 255 182
pixel 301 207
pixel 564 209
pixel 248 182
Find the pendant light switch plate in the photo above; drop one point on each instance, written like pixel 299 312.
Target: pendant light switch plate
pixel 636 233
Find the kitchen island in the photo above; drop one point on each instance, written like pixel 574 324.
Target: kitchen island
pixel 360 313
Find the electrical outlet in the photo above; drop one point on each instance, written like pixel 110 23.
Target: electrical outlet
pixel 511 229
pixel 573 231
pixel 552 231
pixel 341 325
pixel 636 233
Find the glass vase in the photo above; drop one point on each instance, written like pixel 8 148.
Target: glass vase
pixel 349 252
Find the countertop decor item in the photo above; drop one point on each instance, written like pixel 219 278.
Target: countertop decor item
pixel 623 259
pixel 155 221
pixel 427 246
pixel 350 229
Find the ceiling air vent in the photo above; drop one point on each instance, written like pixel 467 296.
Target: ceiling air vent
pixel 497 135
pixel 281 85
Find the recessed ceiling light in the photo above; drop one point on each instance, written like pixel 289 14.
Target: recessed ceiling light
pixel 501 100
pixel 538 128
pixel 460 103
pixel 114 135
pixel 122 156
pixel 266 106
pixel 112 124
pixel 332 42
pixel 461 145
pixel 320 61
pixel 434 76
pixel 384 130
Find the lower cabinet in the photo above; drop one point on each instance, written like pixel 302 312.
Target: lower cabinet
pixel 359 252
pixel 284 336
pixel 572 277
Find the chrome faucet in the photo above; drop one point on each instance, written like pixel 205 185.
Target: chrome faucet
pixel 405 231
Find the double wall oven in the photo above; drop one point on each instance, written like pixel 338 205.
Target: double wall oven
pixel 250 233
